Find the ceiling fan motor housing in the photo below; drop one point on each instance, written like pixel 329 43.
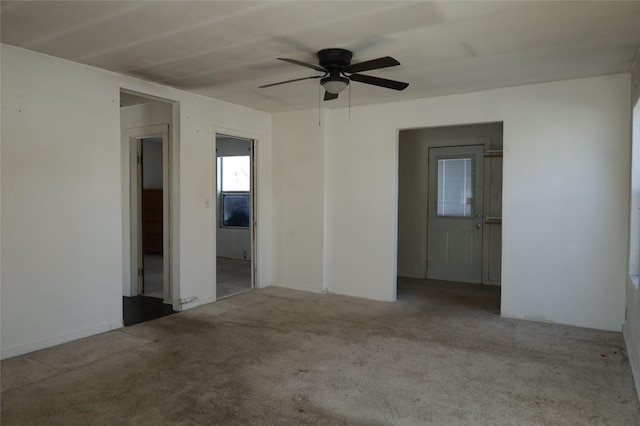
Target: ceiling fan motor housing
pixel 334 58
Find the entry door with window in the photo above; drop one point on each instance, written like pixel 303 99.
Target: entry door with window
pixel 455 213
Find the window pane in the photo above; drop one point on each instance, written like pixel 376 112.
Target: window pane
pixel 236 173
pixel 235 210
pixel 454 187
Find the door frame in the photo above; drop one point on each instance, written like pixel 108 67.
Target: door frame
pixel 420 139
pixel 134 219
pixel 253 220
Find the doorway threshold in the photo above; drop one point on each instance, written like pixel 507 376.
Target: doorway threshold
pixel 226 296
pixel 138 309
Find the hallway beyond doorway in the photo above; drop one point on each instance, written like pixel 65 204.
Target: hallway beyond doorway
pixel 233 276
pixel 153 276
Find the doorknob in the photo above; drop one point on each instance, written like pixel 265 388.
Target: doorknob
pixel 478 226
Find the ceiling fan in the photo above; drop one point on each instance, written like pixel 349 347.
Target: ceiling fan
pixel 338 72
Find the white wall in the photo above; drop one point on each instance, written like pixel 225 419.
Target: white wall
pixel 61 265
pixel 632 323
pixel 565 206
pixel 230 147
pixel 298 200
pixel 412 209
pixel 233 243
pixel 62 260
pixel 565 168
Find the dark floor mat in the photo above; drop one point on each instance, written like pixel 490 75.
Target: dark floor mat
pixel 139 309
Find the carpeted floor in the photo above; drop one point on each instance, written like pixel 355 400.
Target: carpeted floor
pixel 441 355
pixel 233 276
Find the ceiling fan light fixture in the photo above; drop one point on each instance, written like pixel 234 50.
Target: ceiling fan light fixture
pixel 334 85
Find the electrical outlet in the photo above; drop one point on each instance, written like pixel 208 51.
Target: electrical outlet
pixel 244 254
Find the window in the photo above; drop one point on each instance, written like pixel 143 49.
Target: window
pixel 454 187
pixel 236 173
pixel 235 195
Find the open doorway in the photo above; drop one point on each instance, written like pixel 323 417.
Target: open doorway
pixel 147 291
pixel 151 215
pixel 450 212
pixel 235 230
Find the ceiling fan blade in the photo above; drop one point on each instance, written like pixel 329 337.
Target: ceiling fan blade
pixel 373 64
pixel 377 81
pixel 289 81
pixel 304 64
pixel 330 96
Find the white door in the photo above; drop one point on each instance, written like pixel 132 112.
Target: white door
pixel 454 251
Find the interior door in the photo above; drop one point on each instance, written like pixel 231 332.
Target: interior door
pixel 455 213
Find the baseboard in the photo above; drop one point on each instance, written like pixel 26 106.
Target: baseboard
pixel 310 288
pixel 195 303
pixel 302 287
pixel 58 340
pixel 264 284
pixel 417 277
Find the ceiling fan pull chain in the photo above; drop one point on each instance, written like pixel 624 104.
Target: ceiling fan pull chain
pixel 319 96
pixel 349 103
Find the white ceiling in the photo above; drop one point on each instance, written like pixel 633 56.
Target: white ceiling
pixel 226 49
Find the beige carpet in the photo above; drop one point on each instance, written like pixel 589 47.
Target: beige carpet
pixel 439 356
